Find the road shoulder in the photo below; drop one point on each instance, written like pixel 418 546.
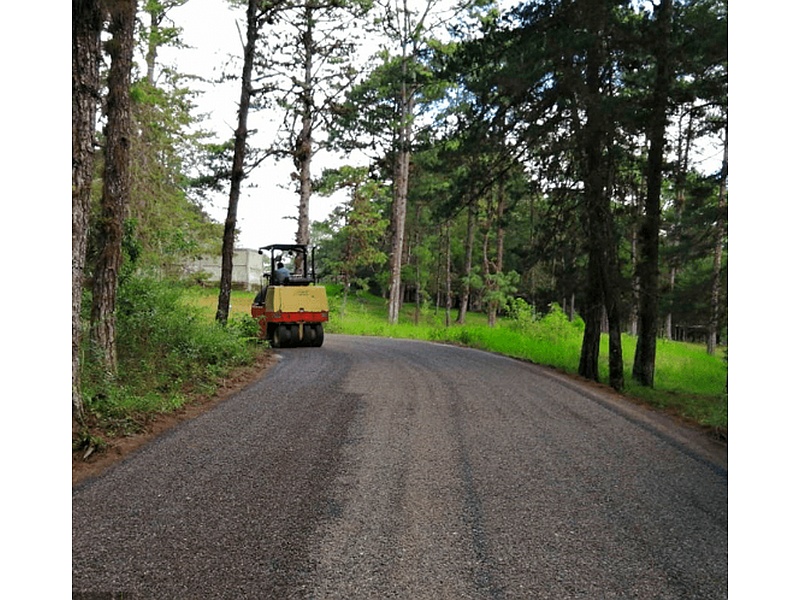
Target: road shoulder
pixel 119 448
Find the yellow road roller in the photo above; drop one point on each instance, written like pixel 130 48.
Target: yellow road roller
pixel 291 308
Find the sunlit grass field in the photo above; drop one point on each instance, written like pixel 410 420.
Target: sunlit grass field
pixel 688 382
pixel 206 300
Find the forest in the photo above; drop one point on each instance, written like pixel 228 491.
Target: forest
pixel 499 156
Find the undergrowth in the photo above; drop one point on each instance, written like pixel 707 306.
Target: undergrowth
pixel 168 352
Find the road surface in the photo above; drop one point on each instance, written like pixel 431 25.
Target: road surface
pixel 377 468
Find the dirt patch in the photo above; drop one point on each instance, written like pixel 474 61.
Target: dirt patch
pixel 119 448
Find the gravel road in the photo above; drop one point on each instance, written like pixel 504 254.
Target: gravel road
pixel 376 468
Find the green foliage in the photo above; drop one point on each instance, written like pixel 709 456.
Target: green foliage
pixel 521 314
pixel 170 223
pixel 500 288
pixel 349 240
pixel 166 146
pixel 555 326
pixel 167 351
pixel 244 326
pixel 518 77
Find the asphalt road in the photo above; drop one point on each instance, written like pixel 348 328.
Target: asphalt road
pixel 375 468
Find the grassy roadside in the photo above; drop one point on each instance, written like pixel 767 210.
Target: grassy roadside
pixel 171 355
pixel 688 382
pixel 205 301
pixel 174 357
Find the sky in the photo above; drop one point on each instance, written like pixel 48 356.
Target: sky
pixel 267 196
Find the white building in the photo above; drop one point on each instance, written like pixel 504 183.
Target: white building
pixel 248 268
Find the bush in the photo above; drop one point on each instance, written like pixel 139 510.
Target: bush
pixel 522 314
pixel 244 326
pixel 556 327
pixel 166 352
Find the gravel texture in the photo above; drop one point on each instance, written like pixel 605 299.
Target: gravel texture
pixel 375 468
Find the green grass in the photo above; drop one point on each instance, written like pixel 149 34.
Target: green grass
pixel 688 382
pixel 206 299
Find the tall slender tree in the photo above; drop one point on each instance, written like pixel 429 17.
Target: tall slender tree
pixel 303 151
pixel 409 45
pixel 309 64
pixel 258 13
pixel 594 138
pixel 116 182
pixel 409 30
pixel 87 25
pixel 469 243
pixel 684 144
pixel 649 233
pixel 156 33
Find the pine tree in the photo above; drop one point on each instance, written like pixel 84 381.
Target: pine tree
pixel 87 26
pixel 116 183
pixel 258 14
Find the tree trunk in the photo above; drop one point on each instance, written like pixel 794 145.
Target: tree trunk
pixel 684 144
pixel 303 149
pixel 645 358
pixel 616 372
pixel 86 27
pixel 719 233
pixel 668 318
pixel 488 283
pixel 156 13
pixel 400 200
pixel 495 304
pixel 588 366
pixel 116 184
pixel 462 311
pixel 448 297
pixel 501 236
pixel 417 266
pixel 633 327
pixel 237 172
pixel 399 205
pixel 572 307
pixel 303 162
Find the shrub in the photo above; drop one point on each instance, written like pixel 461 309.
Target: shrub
pixel 556 327
pixel 522 314
pixel 166 351
pixel 244 326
